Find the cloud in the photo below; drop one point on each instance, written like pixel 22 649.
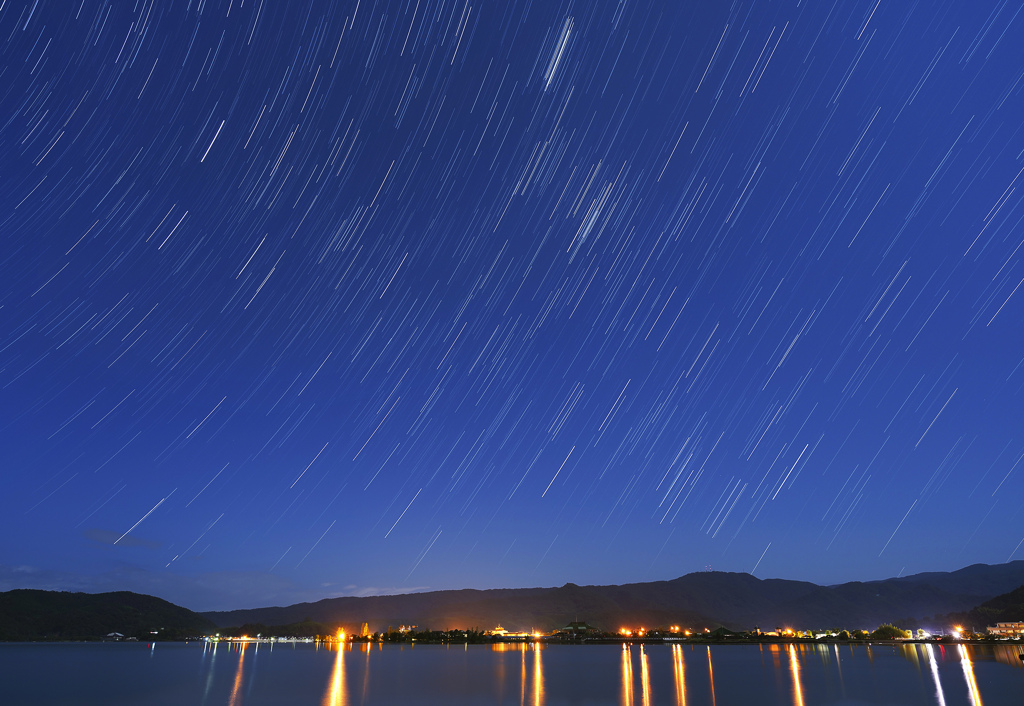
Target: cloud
pixel 365 591
pixel 124 540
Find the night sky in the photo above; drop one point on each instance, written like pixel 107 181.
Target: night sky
pixel 309 299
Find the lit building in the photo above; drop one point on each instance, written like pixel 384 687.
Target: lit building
pixel 504 634
pixel 1009 629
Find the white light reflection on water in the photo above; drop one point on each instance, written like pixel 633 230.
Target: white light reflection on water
pixel 839 669
pixel 209 671
pixel 939 694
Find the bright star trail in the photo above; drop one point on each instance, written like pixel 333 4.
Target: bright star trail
pixel 343 298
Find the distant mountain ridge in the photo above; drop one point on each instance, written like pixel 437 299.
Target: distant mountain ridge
pixel 736 601
pixel 30 614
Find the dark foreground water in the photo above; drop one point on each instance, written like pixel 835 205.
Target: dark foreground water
pixel 253 674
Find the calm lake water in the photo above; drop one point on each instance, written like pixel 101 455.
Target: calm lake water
pixel 255 674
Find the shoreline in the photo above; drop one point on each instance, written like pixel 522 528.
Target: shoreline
pixel 543 640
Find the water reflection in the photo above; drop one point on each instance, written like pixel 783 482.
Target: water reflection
pixel 711 677
pixel 538 676
pixel 771 674
pixel 236 689
pixel 1008 655
pixel 534 689
pixel 794 666
pixel 640 677
pixel 337 689
pixel 366 671
pixel 209 674
pixel 499 674
pixel 627 677
pixel 972 684
pixel 839 670
pixel 678 667
pixel 911 654
pixel 522 680
pixel 645 677
pixel 940 696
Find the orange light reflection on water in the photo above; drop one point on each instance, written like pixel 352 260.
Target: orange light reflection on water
pixel 366 673
pixel 678 668
pixel 538 675
pixel 522 682
pixel 236 689
pixel 337 689
pixel 645 677
pixel 711 677
pixel 536 693
pixel 972 683
pixel 794 666
pixel 627 677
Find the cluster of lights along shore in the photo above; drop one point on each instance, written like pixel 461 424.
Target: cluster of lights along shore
pixel 673 633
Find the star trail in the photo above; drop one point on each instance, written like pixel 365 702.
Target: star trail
pixel 306 299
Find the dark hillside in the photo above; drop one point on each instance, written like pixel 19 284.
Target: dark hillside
pixel 27 614
pixel 1006 608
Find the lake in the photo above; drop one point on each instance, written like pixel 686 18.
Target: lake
pixel 221 674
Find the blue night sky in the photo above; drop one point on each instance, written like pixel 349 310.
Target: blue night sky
pixel 312 299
